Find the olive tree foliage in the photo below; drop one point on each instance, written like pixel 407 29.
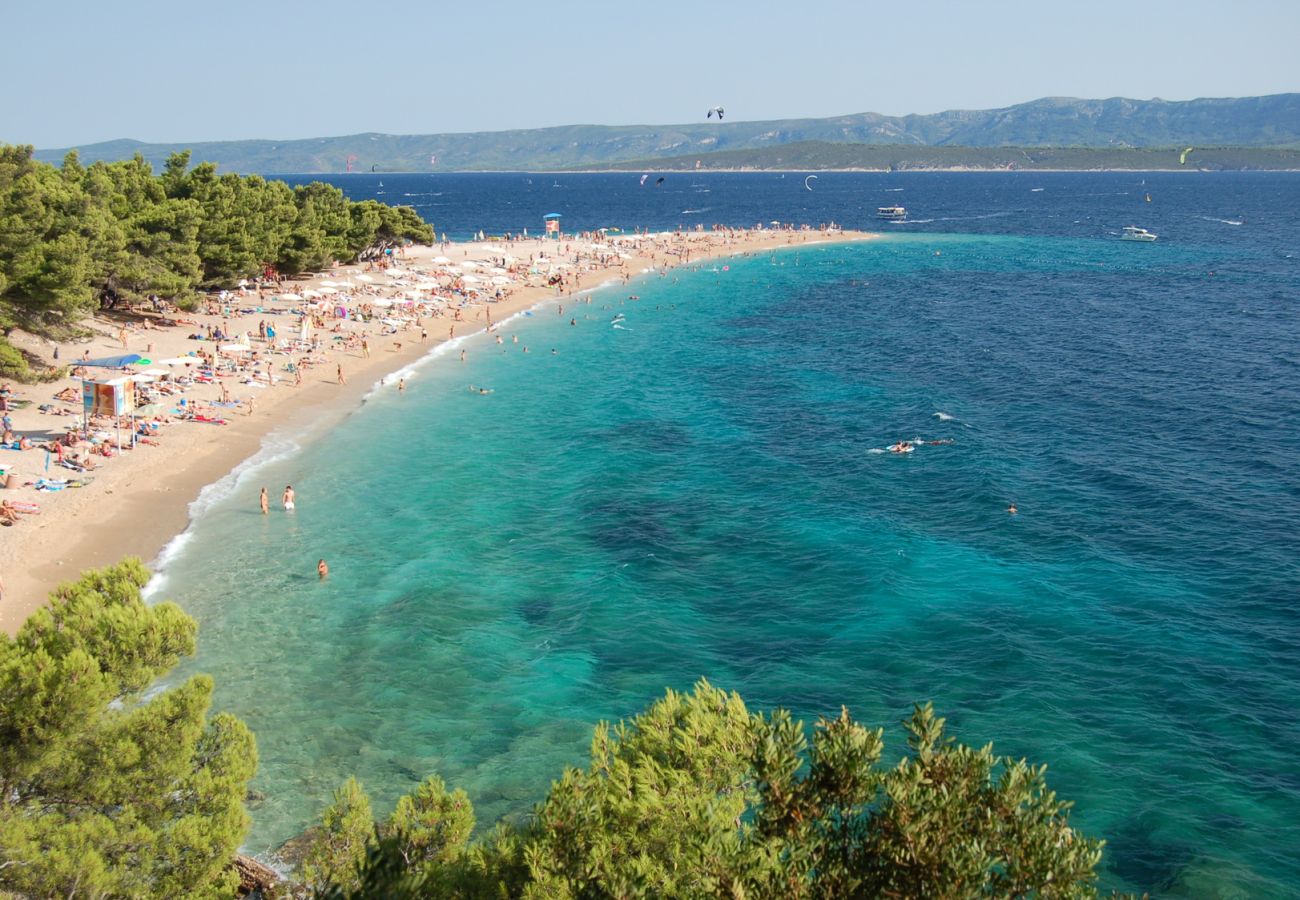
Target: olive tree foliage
pixel 699 797
pixel 105 792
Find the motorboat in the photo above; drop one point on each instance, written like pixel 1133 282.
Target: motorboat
pixel 1133 233
pixel 892 213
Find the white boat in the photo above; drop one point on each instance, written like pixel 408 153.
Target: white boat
pixel 893 213
pixel 1133 233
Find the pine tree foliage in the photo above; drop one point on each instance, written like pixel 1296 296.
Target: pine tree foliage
pixel 76 237
pixel 105 792
pixel 339 850
pixel 699 797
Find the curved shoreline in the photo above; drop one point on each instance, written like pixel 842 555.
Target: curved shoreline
pixel 141 502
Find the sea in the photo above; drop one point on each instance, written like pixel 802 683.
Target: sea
pixel 687 477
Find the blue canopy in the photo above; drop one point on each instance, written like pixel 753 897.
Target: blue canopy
pixel 111 362
pixel 551 216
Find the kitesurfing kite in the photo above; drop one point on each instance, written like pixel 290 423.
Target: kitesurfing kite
pixel 808 179
pixel 659 181
pixel 1182 158
pixel 716 109
pixel 643 178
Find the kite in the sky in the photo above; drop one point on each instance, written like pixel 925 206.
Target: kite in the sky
pixel 808 179
pixel 1182 158
pixel 643 178
pixel 659 181
pixel 716 109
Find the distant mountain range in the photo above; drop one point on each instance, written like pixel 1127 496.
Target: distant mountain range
pixel 1054 122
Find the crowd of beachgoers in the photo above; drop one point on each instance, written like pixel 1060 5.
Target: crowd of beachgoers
pixel 244 355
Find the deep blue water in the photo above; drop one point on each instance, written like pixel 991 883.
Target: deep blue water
pixel 696 494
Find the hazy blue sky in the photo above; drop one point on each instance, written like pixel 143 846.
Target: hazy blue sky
pixel 78 72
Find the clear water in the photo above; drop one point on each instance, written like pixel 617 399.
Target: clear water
pixel 695 494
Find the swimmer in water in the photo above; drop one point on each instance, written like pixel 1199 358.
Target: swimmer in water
pixel 322 569
pixel 481 390
pixel 1012 509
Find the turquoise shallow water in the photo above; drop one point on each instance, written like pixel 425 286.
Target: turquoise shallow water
pixel 695 494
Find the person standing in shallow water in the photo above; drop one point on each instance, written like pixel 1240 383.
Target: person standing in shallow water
pixel 265 503
pixel 287 499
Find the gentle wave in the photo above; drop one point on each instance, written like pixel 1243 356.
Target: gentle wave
pixel 275 447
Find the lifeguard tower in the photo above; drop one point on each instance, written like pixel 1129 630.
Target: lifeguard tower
pixel 552 221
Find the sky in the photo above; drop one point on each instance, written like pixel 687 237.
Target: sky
pixel 83 71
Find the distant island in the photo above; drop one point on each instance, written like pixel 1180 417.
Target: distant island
pixel 1051 133
pixel 811 156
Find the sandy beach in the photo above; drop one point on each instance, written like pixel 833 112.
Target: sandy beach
pixel 136 501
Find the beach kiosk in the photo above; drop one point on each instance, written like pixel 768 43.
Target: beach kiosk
pixel 114 397
pixel 552 221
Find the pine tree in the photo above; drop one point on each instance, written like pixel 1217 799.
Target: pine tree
pixel 699 797
pixel 104 792
pixel 336 855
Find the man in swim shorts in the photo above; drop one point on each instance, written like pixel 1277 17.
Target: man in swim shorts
pixel 287 499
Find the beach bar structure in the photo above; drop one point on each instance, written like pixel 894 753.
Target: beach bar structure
pixel 552 221
pixel 114 397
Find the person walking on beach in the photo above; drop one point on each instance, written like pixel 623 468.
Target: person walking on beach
pixel 365 348
pixel 265 503
pixel 342 380
pixel 287 499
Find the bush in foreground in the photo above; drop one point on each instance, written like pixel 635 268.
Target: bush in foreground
pixel 698 797
pixel 104 792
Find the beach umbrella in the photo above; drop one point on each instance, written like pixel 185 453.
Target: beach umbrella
pixel 234 348
pixel 179 361
pixel 501 279
pixel 151 409
pixel 291 297
pixel 112 362
pixel 364 278
pixel 469 279
pixel 469 264
pixel 328 290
